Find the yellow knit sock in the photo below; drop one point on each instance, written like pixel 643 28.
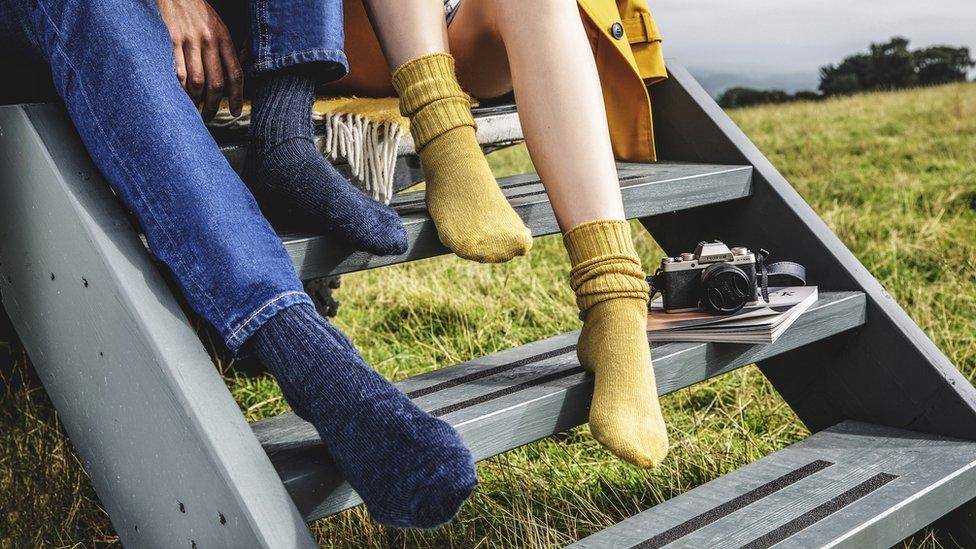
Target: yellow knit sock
pixel 472 216
pixel 611 293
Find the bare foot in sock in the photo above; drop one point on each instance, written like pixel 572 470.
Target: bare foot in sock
pixel 411 469
pixel 473 217
pixel 302 190
pixel 612 295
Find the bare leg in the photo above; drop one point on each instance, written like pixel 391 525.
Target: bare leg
pixel 381 35
pixel 540 48
pixel 408 29
pixel 497 44
pixel 471 214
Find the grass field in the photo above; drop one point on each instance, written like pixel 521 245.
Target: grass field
pixel 893 174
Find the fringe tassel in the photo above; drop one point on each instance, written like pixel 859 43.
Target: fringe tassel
pixel 369 147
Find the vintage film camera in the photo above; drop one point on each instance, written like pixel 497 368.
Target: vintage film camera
pixel 718 279
pixel 714 278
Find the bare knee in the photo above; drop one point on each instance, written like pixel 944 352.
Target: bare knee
pixel 485 34
pixel 478 49
pixel 535 13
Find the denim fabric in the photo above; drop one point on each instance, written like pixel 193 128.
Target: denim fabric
pixel 286 33
pixel 112 63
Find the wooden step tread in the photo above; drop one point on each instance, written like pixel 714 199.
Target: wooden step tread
pixel 509 399
pixel 648 189
pixel 853 485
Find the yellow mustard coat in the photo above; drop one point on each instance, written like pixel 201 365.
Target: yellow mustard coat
pixel 627 47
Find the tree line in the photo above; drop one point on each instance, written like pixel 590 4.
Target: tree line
pixel 888 66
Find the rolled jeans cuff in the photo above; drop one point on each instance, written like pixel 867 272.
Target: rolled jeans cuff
pixel 334 63
pixel 286 33
pixel 242 331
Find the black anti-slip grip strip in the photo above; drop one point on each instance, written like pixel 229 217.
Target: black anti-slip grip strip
pixel 820 512
pixel 506 391
pixel 729 507
pixel 480 374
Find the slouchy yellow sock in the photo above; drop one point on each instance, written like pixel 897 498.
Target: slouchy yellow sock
pixel 472 216
pixel 612 295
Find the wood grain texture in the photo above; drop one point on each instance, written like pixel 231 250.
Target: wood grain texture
pixel 879 485
pixel 648 189
pixel 508 399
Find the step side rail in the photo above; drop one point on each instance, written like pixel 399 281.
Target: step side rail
pixel 169 453
pixel 889 372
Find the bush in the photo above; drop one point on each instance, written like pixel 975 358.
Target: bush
pixel 891 66
pixel 747 97
pixel 886 66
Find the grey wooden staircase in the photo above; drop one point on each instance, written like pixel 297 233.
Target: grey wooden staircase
pixel 893 419
pixel 852 485
pixel 512 398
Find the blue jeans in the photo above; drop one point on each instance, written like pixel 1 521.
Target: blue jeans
pixel 112 63
pixel 285 33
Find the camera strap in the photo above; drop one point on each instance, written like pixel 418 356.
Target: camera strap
pixel 656 283
pixel 781 273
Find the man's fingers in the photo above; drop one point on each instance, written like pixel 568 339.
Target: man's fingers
pixel 180 65
pixel 234 74
pixel 195 75
pixel 214 89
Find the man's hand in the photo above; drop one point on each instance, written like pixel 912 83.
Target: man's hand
pixel 206 61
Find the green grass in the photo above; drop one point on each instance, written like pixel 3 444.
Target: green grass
pixel 893 174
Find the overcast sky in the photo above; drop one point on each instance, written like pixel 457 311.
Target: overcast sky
pixel 790 36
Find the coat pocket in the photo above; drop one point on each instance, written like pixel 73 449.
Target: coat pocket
pixel 645 41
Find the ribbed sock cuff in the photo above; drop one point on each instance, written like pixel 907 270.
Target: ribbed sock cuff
pixel 282 107
pixel 426 79
pixel 605 263
pixel 438 118
pixel 597 239
pixel 431 97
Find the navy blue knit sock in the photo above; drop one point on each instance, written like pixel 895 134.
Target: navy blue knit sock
pixel 411 469
pixel 301 189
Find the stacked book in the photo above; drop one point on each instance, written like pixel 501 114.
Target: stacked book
pixel 759 322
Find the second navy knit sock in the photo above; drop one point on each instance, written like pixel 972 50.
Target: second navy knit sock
pixel 302 188
pixel 411 469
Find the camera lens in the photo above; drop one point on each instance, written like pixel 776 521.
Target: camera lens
pixel 725 288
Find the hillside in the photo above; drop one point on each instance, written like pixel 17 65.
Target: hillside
pixel 893 174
